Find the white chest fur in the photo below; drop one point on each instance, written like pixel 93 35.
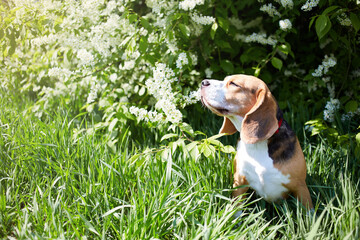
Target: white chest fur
pixel 254 163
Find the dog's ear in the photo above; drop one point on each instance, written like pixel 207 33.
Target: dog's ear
pixel 228 127
pixel 260 122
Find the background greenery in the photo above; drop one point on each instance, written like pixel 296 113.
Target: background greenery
pixel 75 168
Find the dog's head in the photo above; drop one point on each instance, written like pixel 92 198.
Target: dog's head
pixel 246 104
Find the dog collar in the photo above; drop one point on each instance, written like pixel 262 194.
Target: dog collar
pixel 279 124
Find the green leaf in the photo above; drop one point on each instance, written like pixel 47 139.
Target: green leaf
pixel 322 26
pixel 2 33
pixel 214 27
pixel 351 106
pixel 143 45
pixel 355 21
pixel 224 23
pixel 215 142
pixel 227 66
pixel 145 24
pixel 228 149
pixel 357 137
pixel 277 63
pixel 329 9
pixel 191 145
pixel 223 44
pixel 167 136
pixel 216 136
pixel 286 48
pixel 312 21
pixel 187 128
pixel 194 153
pixel 133 17
pixel 113 124
pixel 12 47
pixel 207 150
pixel 185 30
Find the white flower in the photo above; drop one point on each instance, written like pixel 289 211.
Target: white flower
pixel 327 63
pixel 148 116
pixel 60 73
pixel 287 73
pixel 270 9
pixel 113 77
pixel 188 5
pixel 330 109
pixel 202 20
pixel 44 40
pixel 344 20
pixel 193 97
pixel 182 60
pixel 309 5
pixel 85 57
pixel 287 3
pixel 355 73
pixel 128 65
pixel 208 72
pixel 285 24
pixel 257 37
pixel 160 87
pixel 331 89
pixel 194 59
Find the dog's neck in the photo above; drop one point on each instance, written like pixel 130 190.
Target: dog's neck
pixel 237 121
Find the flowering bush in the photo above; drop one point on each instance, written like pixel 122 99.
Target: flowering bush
pixel 121 59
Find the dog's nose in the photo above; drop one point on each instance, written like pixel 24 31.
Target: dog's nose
pixel 205 83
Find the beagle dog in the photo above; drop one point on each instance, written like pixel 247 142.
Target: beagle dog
pixel 269 158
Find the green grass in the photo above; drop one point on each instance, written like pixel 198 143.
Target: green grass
pixel 58 184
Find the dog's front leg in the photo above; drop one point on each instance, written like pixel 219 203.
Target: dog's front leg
pixel 241 186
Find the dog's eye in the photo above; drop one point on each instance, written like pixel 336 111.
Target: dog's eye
pixel 234 84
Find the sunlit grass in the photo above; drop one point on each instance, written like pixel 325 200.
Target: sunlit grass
pixel 58 184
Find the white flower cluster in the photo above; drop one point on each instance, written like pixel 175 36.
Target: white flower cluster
pixel 330 87
pixel 85 57
pixel 344 20
pixel 257 37
pixel 327 63
pixel 182 60
pixel 93 92
pixel 148 116
pixel 202 20
pixel 270 9
pixel 160 87
pixel 309 5
pixel 193 97
pixel 208 72
pixel 173 115
pixel 60 73
pixel 348 116
pixel 285 24
pixel 355 73
pixel 330 109
pixel 188 5
pixel 238 24
pixel 113 77
pixel 287 3
pixel 43 40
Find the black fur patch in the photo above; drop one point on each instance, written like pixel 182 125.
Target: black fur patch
pixel 281 146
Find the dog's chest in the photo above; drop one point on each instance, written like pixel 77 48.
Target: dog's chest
pixel 254 163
